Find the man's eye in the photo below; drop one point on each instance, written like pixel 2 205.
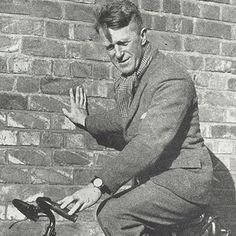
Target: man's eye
pixel 110 47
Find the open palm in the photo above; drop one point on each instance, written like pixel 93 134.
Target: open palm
pixel 78 107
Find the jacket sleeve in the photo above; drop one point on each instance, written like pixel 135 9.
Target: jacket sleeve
pixel 104 122
pixel 168 108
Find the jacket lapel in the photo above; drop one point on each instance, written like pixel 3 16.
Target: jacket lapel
pixel 142 85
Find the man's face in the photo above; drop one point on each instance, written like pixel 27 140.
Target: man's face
pixel 125 47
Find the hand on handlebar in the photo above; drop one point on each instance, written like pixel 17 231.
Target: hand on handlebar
pixel 83 199
pixel 78 107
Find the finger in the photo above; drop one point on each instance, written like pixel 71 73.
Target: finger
pixel 77 95
pixel 66 201
pixel 72 98
pixel 81 102
pixel 75 207
pixel 85 206
pixel 85 101
pixel 66 112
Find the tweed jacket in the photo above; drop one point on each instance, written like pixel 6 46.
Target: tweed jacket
pixel 162 134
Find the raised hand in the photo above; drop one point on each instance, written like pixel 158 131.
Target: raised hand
pixel 78 107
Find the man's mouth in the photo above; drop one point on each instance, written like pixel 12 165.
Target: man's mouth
pixel 123 61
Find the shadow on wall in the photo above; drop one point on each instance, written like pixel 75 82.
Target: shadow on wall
pixel 223 201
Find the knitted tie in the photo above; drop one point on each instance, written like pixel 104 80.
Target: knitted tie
pixel 125 87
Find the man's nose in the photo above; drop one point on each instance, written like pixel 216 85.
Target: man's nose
pixel 118 52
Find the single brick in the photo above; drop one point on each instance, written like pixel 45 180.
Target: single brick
pixel 28 120
pixel 159 22
pixel 221 65
pixel 51 176
pixel 190 9
pixel 212 29
pixel 3 120
pixel 75 140
pixel 46 9
pixel 150 5
pixel 165 41
pixel 85 33
pixel 3 156
pixel 94 51
pixel 187 26
pixel 201 79
pixel 13 101
pixel 99 88
pixel 55 85
pixel 232 131
pixel 13 175
pixel 42 47
pixel 6 83
pixel 52 140
pixel 57 30
pixel 79 69
pixel 79 13
pixel 3 64
pixel 101 71
pixel 218 82
pixel 9 44
pixel 61 68
pixel 82 176
pixel 202 45
pixel 41 67
pixel 60 122
pixel 147 20
pixel 44 103
pixel 210 12
pixel 99 104
pixel 73 50
pixel 229 49
pixel 27 84
pixel 21 26
pixel 189 62
pixel 179 25
pixel 232 84
pixel 229 14
pixel 69 158
pixel 2 212
pixel 219 99
pixel 58 85
pixel 32 157
pixel 31 138
pixel 231 115
pixel 219 131
pixel 19 65
pixel 171 6
pixel 15 6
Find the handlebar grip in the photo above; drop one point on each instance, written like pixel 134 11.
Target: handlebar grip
pixel 63 212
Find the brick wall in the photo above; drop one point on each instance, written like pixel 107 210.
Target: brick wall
pixel 48 46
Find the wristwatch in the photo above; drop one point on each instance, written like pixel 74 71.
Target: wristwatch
pixel 98 183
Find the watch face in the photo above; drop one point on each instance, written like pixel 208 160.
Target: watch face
pixel 97 182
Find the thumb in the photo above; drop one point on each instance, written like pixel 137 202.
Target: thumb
pixel 65 112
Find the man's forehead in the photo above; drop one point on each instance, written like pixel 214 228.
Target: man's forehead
pixel 109 35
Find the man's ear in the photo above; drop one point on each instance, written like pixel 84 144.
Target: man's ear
pixel 143 35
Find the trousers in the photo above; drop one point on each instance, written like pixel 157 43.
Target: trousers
pixel 146 209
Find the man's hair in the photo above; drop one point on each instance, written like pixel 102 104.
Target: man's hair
pixel 117 14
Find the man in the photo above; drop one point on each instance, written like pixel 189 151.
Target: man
pixel 157 113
